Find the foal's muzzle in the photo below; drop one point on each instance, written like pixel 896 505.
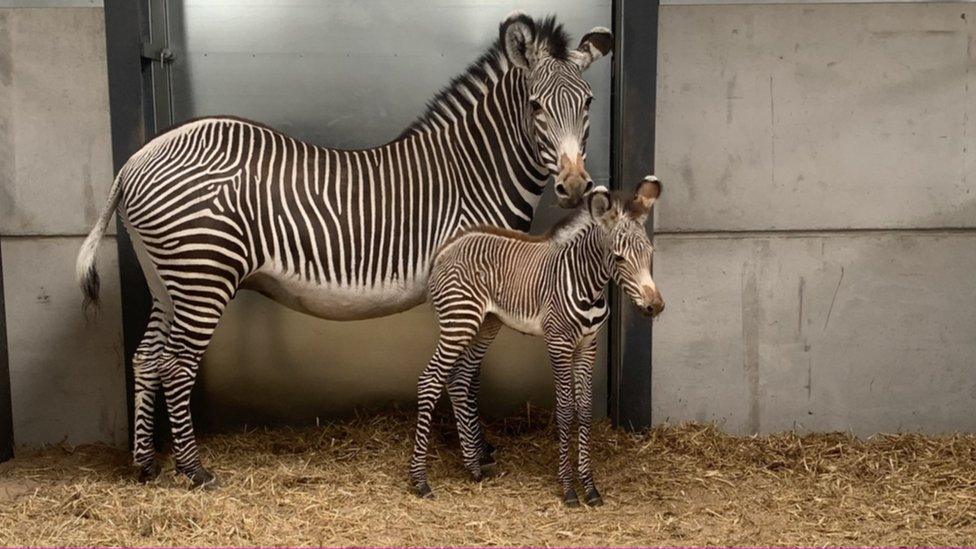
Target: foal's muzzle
pixel 653 302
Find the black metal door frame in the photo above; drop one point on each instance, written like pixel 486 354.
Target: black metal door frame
pixel 133 84
pixel 140 101
pixel 632 157
pixel 6 407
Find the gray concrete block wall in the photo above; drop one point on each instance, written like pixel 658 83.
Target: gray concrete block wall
pixel 817 235
pixel 55 171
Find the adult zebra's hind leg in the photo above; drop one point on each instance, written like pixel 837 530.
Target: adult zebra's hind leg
pixel 194 322
pixel 463 386
pixel 145 366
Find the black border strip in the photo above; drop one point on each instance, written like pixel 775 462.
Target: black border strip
pixel 126 28
pixel 6 406
pixel 634 100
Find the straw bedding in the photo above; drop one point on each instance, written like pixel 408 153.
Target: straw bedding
pixel 344 484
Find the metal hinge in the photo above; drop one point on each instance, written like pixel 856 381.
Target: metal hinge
pixel 154 52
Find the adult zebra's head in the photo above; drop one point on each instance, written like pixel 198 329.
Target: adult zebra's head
pixel 558 98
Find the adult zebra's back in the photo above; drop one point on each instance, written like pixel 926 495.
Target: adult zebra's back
pixel 221 203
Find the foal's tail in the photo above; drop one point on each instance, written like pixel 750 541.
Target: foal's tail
pixel 85 269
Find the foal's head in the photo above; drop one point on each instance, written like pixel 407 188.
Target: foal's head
pixel 630 248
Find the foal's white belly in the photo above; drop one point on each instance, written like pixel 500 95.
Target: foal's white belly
pixel 531 325
pixel 338 302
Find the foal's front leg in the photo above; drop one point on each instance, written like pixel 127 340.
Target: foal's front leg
pixel 583 374
pixel 561 353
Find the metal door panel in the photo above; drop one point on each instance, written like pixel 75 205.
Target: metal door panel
pixel 352 74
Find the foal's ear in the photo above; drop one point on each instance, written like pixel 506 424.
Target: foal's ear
pixel 594 45
pixel 517 35
pixel 598 202
pixel 646 194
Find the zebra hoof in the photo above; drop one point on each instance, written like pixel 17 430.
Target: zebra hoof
pixel 488 470
pixel 570 499
pixel 487 460
pixel 593 498
pixel 148 473
pixel 489 449
pixel 203 479
pixel 423 491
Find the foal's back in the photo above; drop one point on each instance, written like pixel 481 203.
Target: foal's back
pixel 504 272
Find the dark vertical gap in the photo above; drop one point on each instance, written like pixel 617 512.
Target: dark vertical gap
pixel 6 406
pixel 632 129
pixel 126 28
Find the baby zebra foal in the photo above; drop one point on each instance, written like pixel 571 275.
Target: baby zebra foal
pixel 550 286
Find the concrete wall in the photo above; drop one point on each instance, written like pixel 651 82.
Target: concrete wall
pixel 55 171
pixel 816 239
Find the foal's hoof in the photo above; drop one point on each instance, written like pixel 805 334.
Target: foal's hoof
pixel 148 473
pixel 203 479
pixel 488 455
pixel 593 498
pixel 423 491
pixel 570 499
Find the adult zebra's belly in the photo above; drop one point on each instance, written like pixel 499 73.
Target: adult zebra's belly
pixel 335 302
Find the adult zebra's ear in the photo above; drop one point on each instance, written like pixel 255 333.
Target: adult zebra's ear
pixel 645 195
pixel 598 202
pixel 594 45
pixel 517 34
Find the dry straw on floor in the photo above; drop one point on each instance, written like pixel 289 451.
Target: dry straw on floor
pixel 344 484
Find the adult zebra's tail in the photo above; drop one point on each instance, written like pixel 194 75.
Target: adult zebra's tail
pixel 85 269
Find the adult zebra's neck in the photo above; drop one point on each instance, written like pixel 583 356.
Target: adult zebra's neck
pixel 481 121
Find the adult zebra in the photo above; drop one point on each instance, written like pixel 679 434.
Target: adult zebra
pixel 218 204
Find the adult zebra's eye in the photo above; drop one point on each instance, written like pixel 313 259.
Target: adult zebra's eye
pixel 618 258
pixel 586 104
pixel 536 106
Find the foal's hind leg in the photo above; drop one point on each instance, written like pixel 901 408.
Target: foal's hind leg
pixel 457 331
pixel 145 365
pixel 463 386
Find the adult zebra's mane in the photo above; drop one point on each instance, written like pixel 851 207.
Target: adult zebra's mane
pixel 491 65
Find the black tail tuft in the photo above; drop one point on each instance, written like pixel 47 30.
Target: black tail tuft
pixel 90 287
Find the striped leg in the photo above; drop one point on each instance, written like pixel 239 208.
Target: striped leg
pixel 583 374
pixel 561 356
pixel 145 364
pixel 457 330
pixel 463 386
pixel 192 328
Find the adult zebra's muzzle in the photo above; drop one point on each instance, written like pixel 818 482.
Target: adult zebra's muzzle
pixel 572 181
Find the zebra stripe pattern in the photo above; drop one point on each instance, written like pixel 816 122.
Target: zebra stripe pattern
pixel 551 286
pixel 219 204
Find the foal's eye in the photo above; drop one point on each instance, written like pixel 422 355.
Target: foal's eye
pixel 618 257
pixel 536 106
